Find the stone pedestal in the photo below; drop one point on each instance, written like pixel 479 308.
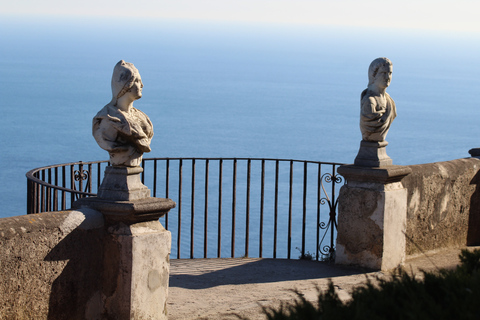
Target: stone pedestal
pixel 123 183
pixel 136 262
pixel 372 217
pixel 373 154
pixel 136 248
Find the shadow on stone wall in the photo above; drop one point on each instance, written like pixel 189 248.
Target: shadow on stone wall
pixel 75 293
pixel 473 235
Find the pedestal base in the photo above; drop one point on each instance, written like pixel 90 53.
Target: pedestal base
pixel 136 271
pixel 128 212
pixel 373 154
pixel 372 217
pixel 136 257
pixel 123 183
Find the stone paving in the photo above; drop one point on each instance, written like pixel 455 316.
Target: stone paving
pixel 225 288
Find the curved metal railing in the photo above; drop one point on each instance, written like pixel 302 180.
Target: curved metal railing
pixel 226 207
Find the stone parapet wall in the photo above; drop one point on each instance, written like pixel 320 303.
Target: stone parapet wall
pixel 51 264
pixel 443 205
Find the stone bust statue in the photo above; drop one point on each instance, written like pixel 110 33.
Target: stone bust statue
pixel 119 128
pixel 377 109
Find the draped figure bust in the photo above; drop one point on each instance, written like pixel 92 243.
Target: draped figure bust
pixel 124 131
pixel 377 108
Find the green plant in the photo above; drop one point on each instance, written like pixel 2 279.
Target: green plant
pixel 305 256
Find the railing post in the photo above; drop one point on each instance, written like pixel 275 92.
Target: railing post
pixel 205 221
pixel 234 206
pixel 262 201
pixel 220 183
pixel 31 196
pixel 247 209
pixel 290 203
pixel 192 211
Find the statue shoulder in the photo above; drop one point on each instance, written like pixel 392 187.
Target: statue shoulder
pixel 109 112
pixel 366 98
pixel 364 93
pixel 105 112
pixel 389 99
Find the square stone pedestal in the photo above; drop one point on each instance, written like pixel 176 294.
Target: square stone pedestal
pixel 136 249
pixel 372 216
pixel 136 271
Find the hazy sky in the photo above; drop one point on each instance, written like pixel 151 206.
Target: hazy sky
pixel 459 15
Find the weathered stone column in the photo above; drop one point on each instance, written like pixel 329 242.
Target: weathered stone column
pixel 136 246
pixel 372 217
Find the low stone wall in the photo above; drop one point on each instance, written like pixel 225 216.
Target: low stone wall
pixel 51 265
pixel 443 205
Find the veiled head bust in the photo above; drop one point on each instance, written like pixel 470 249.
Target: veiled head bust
pixel 124 131
pixel 123 79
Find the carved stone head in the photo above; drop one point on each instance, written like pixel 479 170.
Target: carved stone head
pixel 124 76
pixel 375 66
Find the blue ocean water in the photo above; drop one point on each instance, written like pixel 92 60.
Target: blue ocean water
pixel 229 90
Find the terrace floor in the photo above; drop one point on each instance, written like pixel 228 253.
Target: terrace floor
pixel 224 288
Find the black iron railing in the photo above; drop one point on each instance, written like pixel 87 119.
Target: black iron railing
pixel 226 207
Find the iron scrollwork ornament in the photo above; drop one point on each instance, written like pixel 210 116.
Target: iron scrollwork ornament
pixel 80 176
pixel 328 251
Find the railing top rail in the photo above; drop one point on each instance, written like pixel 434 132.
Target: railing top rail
pixel 243 158
pixel 31 174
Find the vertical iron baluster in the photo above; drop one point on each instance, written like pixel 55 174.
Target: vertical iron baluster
pixel 43 195
pixel 290 196
pixel 42 205
pixel 154 177
pixel 48 198
pixel 304 219
pixel 220 179
pixel 192 210
pixel 64 184
pixel 55 191
pixel 37 196
pixel 247 213
pixel 167 179
pixel 80 178
pixel 99 177
pixel 143 172
pixel 89 177
pixel 30 195
pixel 205 223
pixel 319 180
pixel 179 206
pixel 167 184
pixel 275 223
pixel 72 184
pixel 333 213
pixel 234 199
pixel 262 200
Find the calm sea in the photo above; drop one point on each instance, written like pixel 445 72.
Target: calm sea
pixel 229 90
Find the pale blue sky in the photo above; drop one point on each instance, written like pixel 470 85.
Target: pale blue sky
pixel 459 15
